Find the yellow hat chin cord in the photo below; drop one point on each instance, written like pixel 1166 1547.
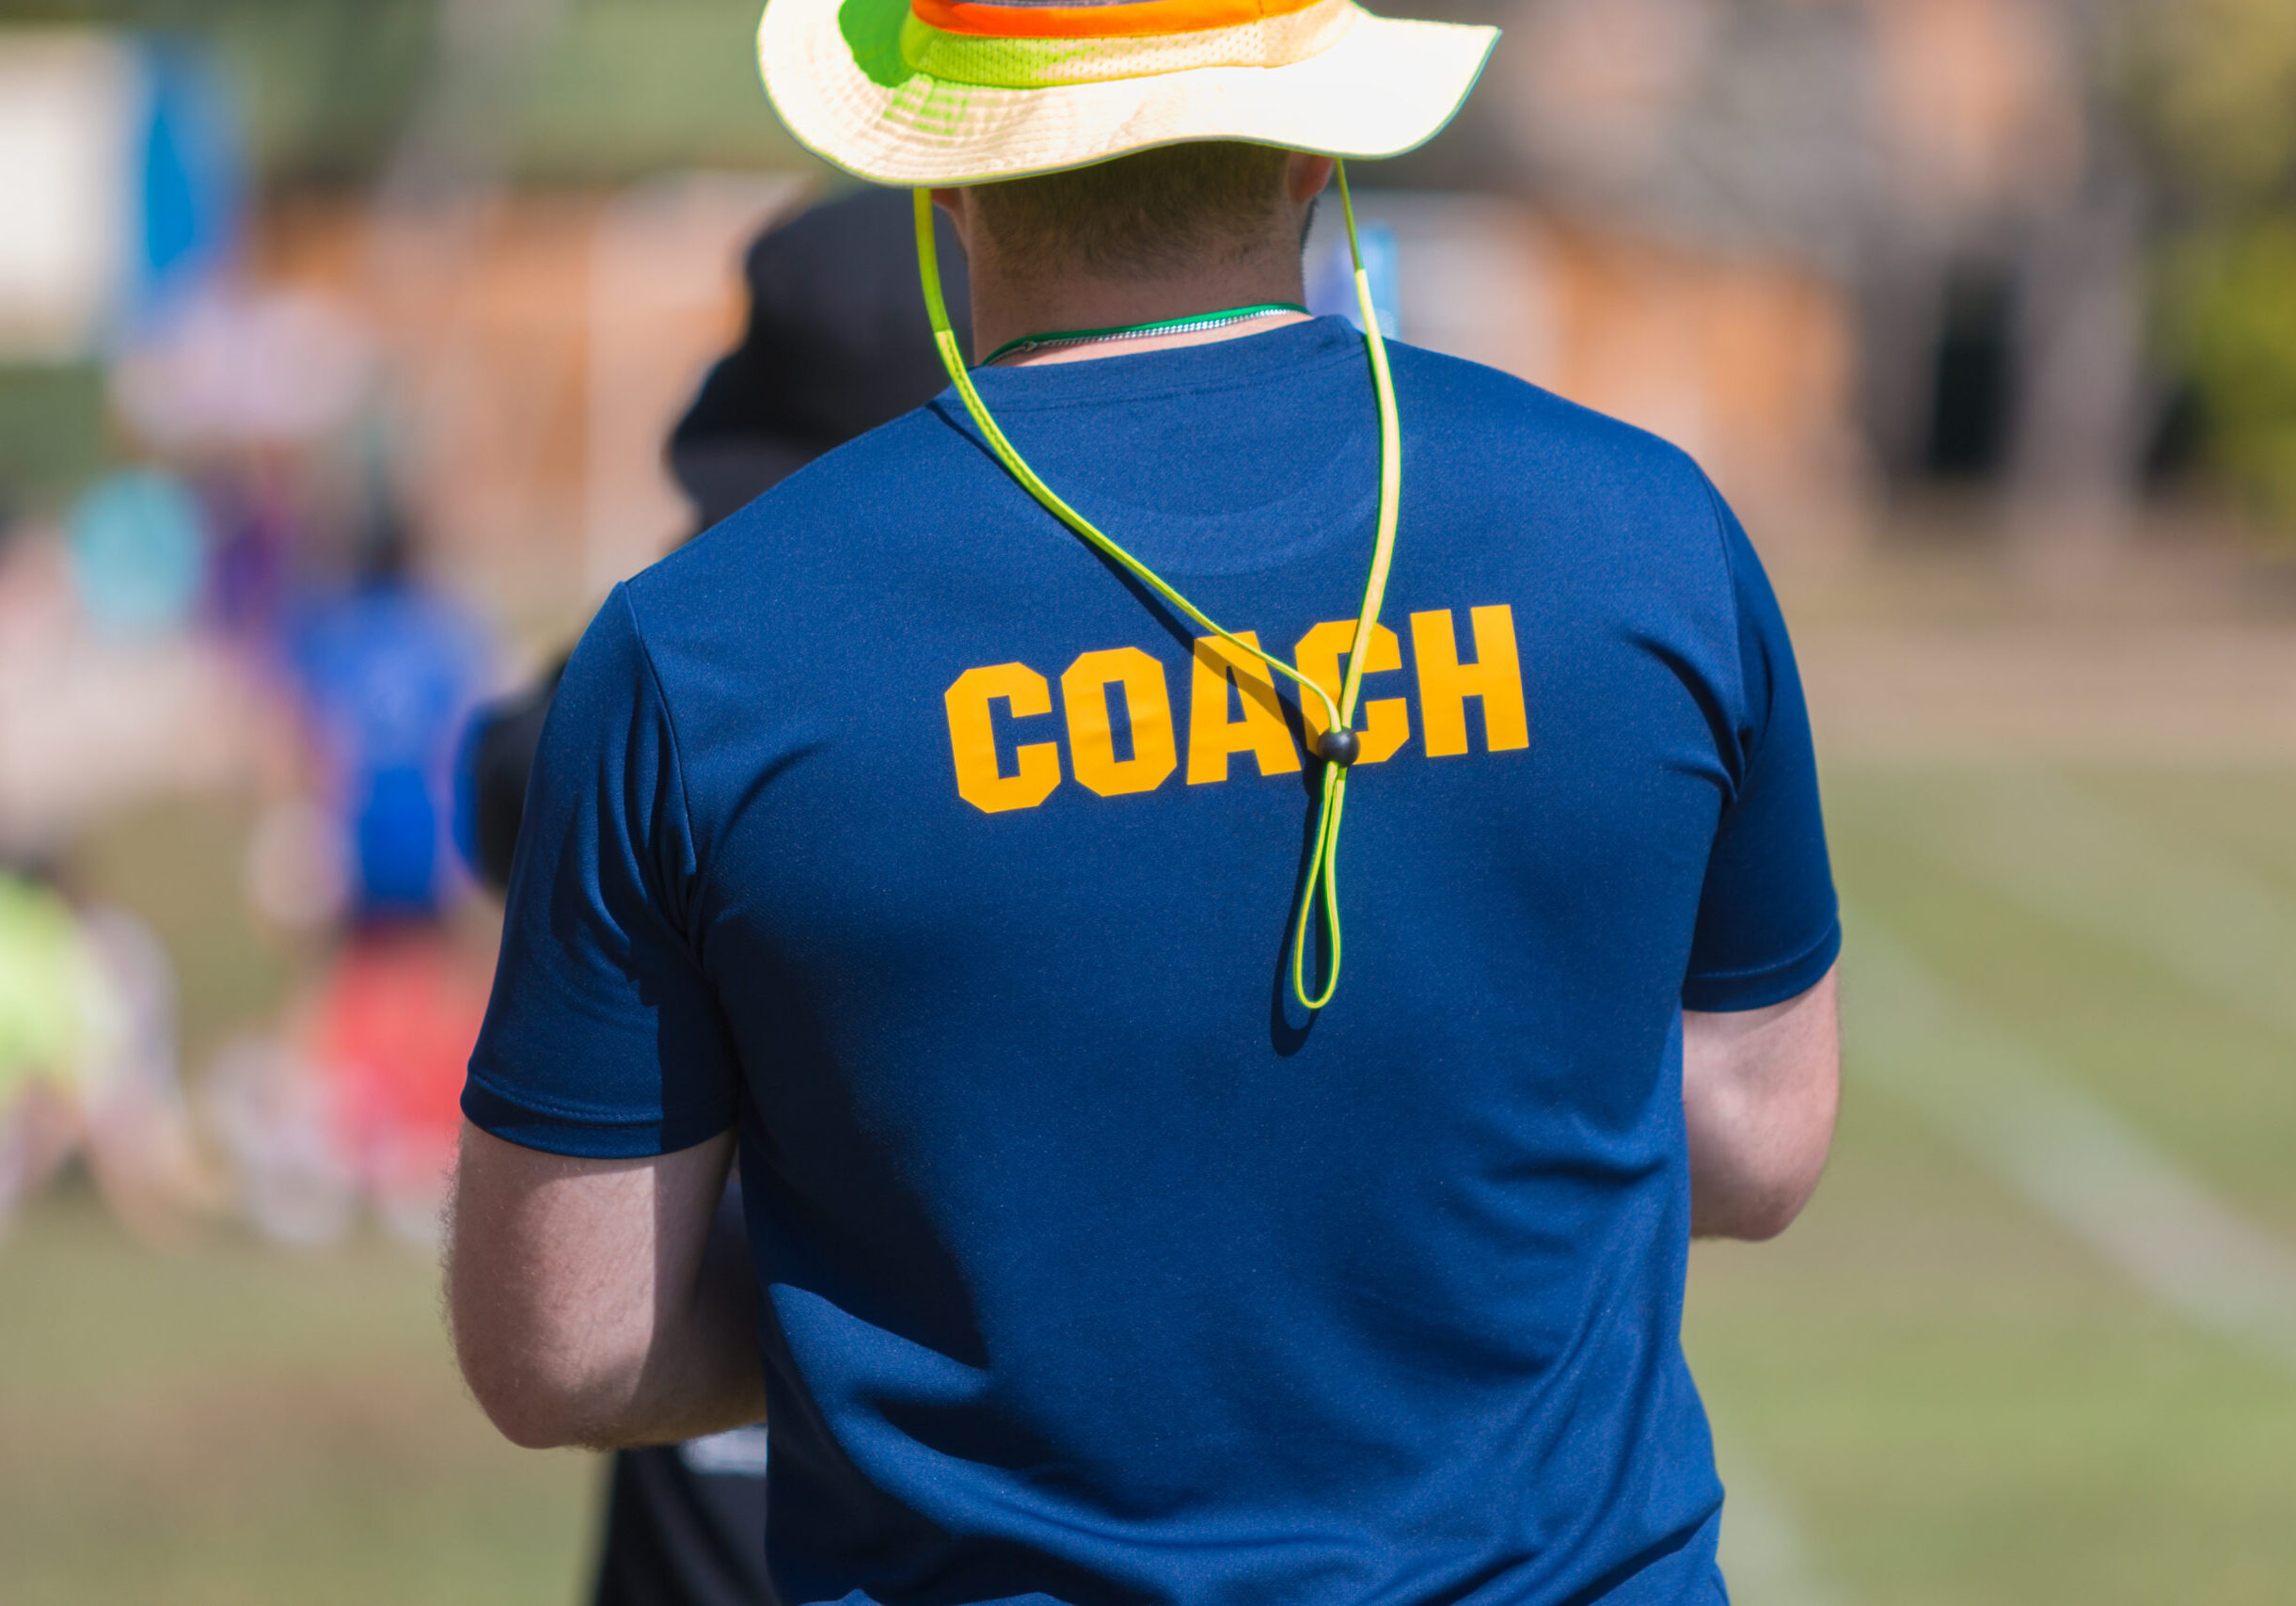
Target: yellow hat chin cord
pixel 1338 744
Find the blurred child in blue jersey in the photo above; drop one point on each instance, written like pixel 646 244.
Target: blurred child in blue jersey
pixel 349 1106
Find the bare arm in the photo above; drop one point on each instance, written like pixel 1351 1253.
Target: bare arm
pixel 1759 1092
pixel 590 1303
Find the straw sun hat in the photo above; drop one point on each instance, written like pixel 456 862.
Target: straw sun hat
pixel 958 92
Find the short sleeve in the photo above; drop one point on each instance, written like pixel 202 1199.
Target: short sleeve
pixel 603 1037
pixel 1769 928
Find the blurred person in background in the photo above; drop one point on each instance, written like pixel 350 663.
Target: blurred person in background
pixel 87 1059
pixel 1089 1270
pixel 111 691
pixel 353 1102
pixel 388 669
pixel 389 673
pixel 140 561
pixel 835 344
pixel 39 1034
pixel 93 629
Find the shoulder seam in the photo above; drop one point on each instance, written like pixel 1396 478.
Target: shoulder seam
pixel 1729 581
pixel 677 750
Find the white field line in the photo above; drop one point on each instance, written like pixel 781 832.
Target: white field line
pixel 2068 856
pixel 1766 1558
pixel 2010 1106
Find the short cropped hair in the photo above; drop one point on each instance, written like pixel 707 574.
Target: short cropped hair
pixel 1141 215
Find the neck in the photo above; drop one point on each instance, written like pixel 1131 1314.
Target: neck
pixel 1009 306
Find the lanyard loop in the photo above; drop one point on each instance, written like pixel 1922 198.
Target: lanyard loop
pixel 1319 903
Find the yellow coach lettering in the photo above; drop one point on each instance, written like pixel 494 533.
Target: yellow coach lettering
pixel 1213 736
pixel 1224 677
pixel 980 781
pixel 1383 726
pixel 1446 684
pixel 1148 707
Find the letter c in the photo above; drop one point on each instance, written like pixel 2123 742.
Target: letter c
pixel 972 738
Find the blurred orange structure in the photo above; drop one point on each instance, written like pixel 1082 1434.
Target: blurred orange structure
pixel 1745 362
pixel 1754 229
pixel 1918 216
pixel 539 346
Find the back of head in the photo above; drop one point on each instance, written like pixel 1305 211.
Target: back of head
pixel 1210 204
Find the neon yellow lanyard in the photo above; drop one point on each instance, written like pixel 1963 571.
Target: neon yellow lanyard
pixel 1338 744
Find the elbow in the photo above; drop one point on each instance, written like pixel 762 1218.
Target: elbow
pixel 524 1405
pixel 1755 1167
pixel 540 1382
pixel 1761 1089
pixel 533 1426
pixel 1757 1191
pixel 539 1433
pixel 1756 1197
pixel 1764 1217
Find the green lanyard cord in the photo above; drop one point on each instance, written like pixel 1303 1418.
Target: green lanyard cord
pixel 1322 890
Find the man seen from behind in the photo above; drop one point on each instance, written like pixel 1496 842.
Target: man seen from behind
pixel 937 832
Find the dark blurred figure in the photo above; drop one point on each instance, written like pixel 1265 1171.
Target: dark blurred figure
pixel 837 344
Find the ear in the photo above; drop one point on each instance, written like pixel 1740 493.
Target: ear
pixel 957 203
pixel 1304 175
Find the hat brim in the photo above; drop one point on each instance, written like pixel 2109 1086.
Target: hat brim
pixel 1385 87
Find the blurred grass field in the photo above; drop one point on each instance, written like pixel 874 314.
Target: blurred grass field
pixel 1951 1393
pixel 242 1425
pixel 1933 1390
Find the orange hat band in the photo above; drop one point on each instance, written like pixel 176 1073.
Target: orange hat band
pixel 1036 62
pixel 1124 19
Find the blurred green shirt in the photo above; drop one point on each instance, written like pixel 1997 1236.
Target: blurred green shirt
pixel 43 981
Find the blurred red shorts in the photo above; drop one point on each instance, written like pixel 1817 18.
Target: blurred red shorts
pixel 395 1023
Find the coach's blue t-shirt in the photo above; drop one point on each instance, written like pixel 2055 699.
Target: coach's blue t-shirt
pixel 887 822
